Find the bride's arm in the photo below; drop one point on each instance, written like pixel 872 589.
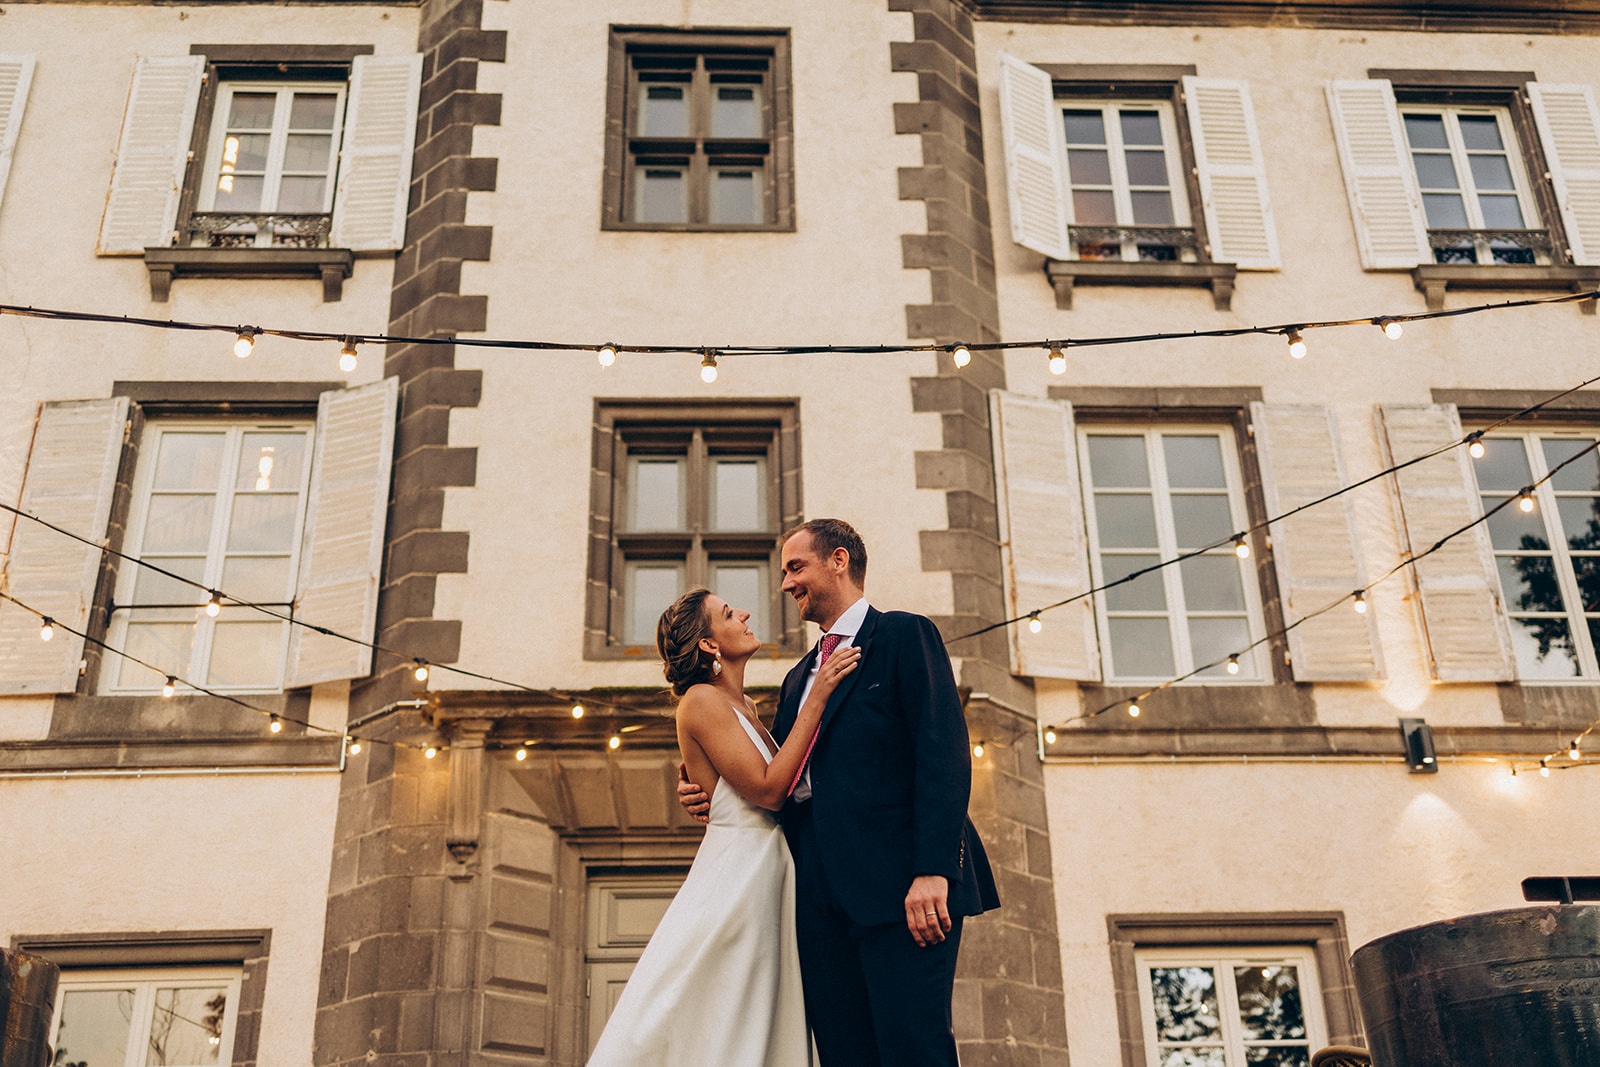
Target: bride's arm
pixel 705 715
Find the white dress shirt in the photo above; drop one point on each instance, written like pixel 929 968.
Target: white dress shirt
pixel 846 626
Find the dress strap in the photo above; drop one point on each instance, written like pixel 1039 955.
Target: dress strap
pixel 750 731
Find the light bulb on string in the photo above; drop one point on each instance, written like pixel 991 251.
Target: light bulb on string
pixel 1133 709
pixel 577 711
pixel 522 754
pixel 1544 768
pixel 420 671
pixel 1525 499
pixel 1049 735
pixel 1058 358
pixel 170 687
pixel 347 355
pixel 1360 602
pixel 355 745
pixel 1391 328
pixel 961 355
pixel 47 628
pixel 245 343
pixel 1297 344
pixel 1035 624
pixel 1475 444
pixel 977 750
pixel 606 354
pixel 1241 547
pixel 214 604
pixel 708 367
pixel 429 752
pixel 615 742
pixel 1233 663
pixel 276 725
pixel 1574 753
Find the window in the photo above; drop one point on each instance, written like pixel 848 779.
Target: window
pixel 1548 558
pixel 222 505
pixel 1129 199
pixel 144 1017
pixel 1474 189
pixel 699 131
pixel 693 501
pixel 1209 1008
pixel 1153 494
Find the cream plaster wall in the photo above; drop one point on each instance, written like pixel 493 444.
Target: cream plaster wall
pixel 556 275
pixel 172 854
pixel 1386 848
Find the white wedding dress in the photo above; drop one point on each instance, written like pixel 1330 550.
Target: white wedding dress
pixel 719 983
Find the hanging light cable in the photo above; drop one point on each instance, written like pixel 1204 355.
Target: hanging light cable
pixel 245 343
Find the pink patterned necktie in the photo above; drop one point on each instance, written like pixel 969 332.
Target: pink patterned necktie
pixel 824 650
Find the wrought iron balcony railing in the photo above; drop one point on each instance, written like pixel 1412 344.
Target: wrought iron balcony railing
pixel 1490 246
pixel 1152 243
pixel 236 229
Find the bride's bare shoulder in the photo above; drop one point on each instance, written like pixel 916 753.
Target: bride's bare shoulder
pixel 699 702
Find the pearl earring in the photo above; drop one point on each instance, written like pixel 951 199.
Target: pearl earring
pixel 716 664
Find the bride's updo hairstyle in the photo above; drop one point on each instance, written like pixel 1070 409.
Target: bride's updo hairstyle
pixel 678 637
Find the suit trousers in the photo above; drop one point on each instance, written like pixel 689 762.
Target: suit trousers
pixel 874 998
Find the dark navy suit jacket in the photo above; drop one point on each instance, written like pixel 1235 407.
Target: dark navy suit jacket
pixel 891 773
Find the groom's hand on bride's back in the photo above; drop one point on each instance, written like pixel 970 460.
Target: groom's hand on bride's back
pixel 692 797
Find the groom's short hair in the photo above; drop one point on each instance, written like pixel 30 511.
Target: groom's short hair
pixel 827 535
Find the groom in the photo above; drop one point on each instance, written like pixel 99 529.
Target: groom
pixel 887 864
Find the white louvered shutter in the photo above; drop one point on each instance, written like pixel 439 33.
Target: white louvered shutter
pixel 1458 591
pixel 369 204
pixel 152 155
pixel 16 74
pixel 1043 547
pixel 1385 202
pixel 1569 126
pixel 1316 553
pixel 341 552
pixel 1233 177
pixel 1036 179
pixel 71 478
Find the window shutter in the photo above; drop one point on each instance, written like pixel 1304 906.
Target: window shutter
pixel 1458 591
pixel 71 478
pixel 1043 548
pixel 369 206
pixel 152 155
pixel 1036 179
pixel 1569 126
pixel 1384 200
pixel 1316 553
pixel 341 551
pixel 1233 177
pixel 16 73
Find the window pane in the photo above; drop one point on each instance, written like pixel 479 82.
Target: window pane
pixel 93 1030
pixel 735 197
pixel 1089 167
pixel 1141 127
pixel 165 645
pixel 1491 172
pixel 263 522
pixel 656 495
pixel 245 653
pixel 1513 528
pixel 302 195
pixel 1435 171
pixel 1194 462
pixel 1193 1057
pixel 307 152
pixel 1145 593
pixel 258 578
pixel 1125 520
pixel 1500 212
pixel 1269 1003
pixel 1211 583
pixel 1529 583
pixel 744 586
pixel 1580 521
pixel 1580 475
pixel 1140 648
pixel 187 1027
pixel 188 461
pixel 235 193
pixel 252 111
pixel 1504 464
pixel 736 111
pixel 663 111
pixel 313 111
pixel 1426 131
pixel 1278 1056
pixel 738 497
pixel 651 588
pixel 1587 569
pixel 246 152
pixel 1118 462
pixel 1152 209
pixel 1214 640
pixel 1085 127
pixel 152 588
pixel 178 523
pixel 1199 521
pixel 1480 132
pixel 663 196
pixel 1185 1003
pixel 1147 168
pixel 1544 649
pixel 1445 211
pixel 271 461
pixel 1091 208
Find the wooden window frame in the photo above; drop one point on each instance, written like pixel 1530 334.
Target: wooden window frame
pixel 622 428
pixel 1322 932
pixel 622 147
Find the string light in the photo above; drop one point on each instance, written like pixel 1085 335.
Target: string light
pixel 1360 602
pixel 1058 358
pixel 1049 735
pixel 245 343
pixel 1297 344
pixel 1475 444
pixel 421 670
pixel 615 742
pixel 522 755
pixel 429 752
pixel 1525 499
pixel 214 605
pixel 577 711
pixel 977 750
pixel 47 628
pixel 347 355
pixel 961 354
pixel 1241 547
pixel 1133 709
pixel 606 354
pixel 170 687
pixel 275 725
pixel 1035 624
pixel 1233 663
pixel 1391 327
pixel 355 745
pixel 1574 753
pixel 1544 768
pixel 708 367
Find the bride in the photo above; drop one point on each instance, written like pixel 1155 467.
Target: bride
pixel 719 982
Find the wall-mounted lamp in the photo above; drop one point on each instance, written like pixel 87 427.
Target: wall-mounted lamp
pixel 1418 737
